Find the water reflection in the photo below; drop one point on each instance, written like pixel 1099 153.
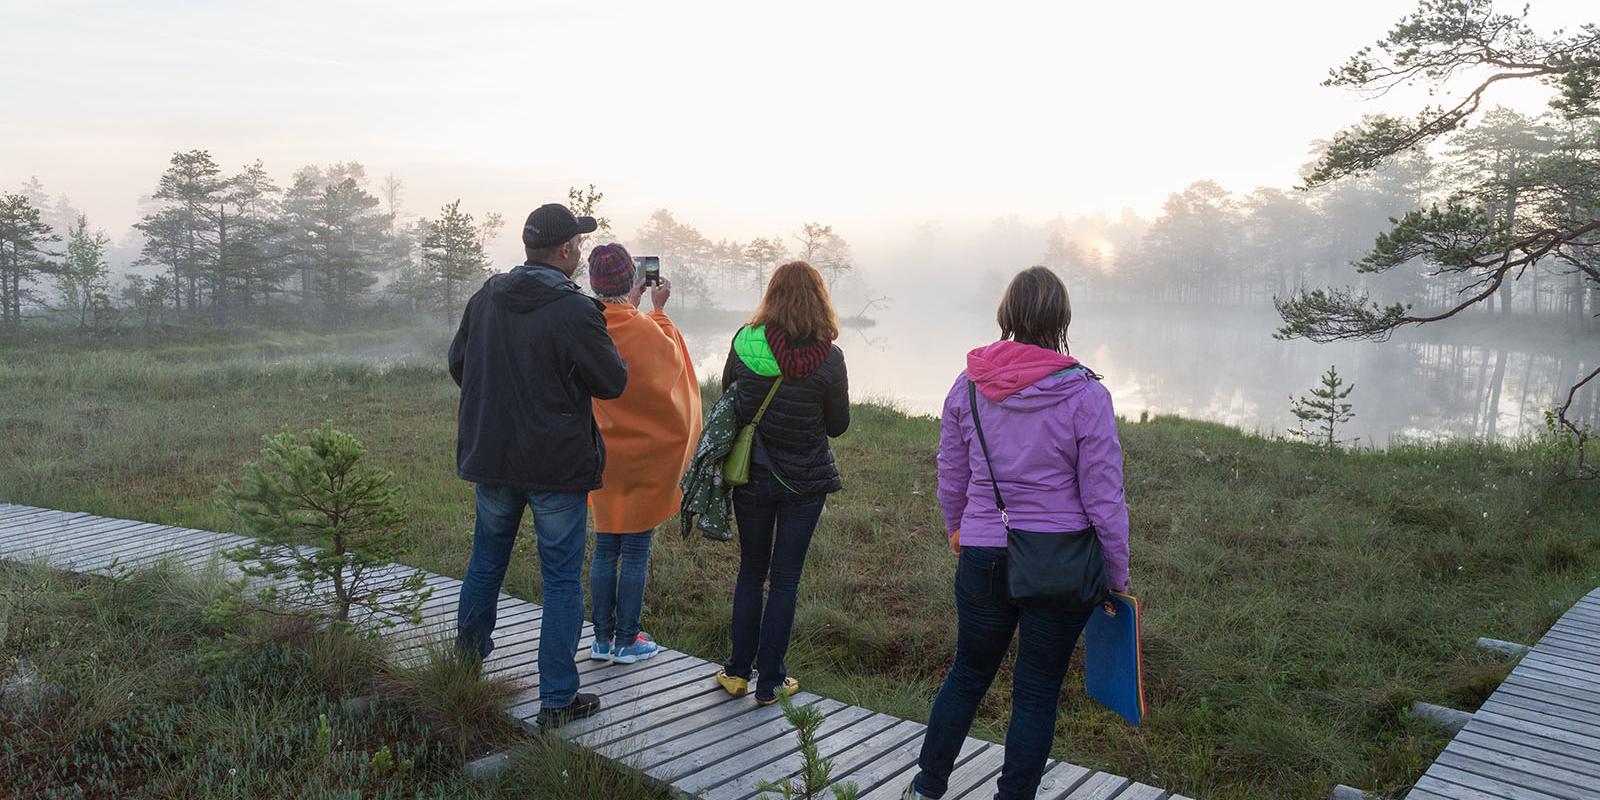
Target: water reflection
pixel 1227 368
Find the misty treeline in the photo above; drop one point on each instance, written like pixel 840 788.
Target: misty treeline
pixel 216 248
pixel 1212 247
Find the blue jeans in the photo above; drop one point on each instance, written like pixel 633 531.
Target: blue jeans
pixel 560 521
pixel 775 527
pixel 985 621
pixel 617 602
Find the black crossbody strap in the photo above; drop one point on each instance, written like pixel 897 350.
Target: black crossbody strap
pixel 994 482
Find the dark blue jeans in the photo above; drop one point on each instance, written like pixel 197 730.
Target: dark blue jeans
pixel 561 523
pixel 985 620
pixel 617 603
pixel 775 527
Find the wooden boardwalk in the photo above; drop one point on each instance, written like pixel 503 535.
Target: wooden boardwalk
pixel 1538 736
pixel 665 717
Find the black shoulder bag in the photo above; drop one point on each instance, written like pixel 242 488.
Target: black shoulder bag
pixel 1056 569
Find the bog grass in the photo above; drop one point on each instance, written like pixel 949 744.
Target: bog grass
pixel 135 688
pixel 1297 602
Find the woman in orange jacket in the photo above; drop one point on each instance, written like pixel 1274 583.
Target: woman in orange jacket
pixel 650 434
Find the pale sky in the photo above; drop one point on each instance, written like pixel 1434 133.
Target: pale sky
pixel 744 118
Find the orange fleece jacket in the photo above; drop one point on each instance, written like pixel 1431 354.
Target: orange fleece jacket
pixel 652 429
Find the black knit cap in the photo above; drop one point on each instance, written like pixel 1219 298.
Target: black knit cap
pixel 553 223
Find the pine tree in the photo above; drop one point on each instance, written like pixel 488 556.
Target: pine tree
pixel 183 233
pixel 1323 411
pixel 325 522
pixel 23 239
pixel 815 771
pixel 454 261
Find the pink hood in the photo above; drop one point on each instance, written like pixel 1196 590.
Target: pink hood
pixel 1004 368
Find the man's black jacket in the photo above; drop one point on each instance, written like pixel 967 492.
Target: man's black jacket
pixel 531 353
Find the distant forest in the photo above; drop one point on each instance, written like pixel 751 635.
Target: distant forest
pixel 218 248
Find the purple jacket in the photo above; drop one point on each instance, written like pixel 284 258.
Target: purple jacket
pixel 1053 438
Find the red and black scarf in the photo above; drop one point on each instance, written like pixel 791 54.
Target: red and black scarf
pixel 796 359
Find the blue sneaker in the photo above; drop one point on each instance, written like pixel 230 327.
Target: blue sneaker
pixel 600 651
pixel 643 647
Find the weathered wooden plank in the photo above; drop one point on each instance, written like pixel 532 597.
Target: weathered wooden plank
pixel 523 659
pixel 1491 737
pixel 1523 686
pixel 1062 779
pixel 637 733
pixel 525 651
pixel 1556 668
pixel 1571 644
pixel 1099 786
pixel 1434 785
pixel 835 736
pixel 1535 774
pixel 890 783
pixel 108 539
pixel 604 678
pixel 1487 784
pixel 684 756
pixel 525 705
pixel 857 765
pixel 1538 712
pixel 679 711
pixel 1577 669
pixel 90 541
pixel 150 536
pixel 87 530
pixel 148 544
pixel 20 523
pixel 1414 794
pixel 975 772
pixel 758 758
pixel 52 528
pixel 182 549
pixel 1576 624
pixel 1579 614
pixel 1530 684
pixel 645 700
pixel 34 518
pixel 1564 739
pixel 1139 791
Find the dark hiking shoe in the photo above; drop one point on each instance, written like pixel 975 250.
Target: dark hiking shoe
pixel 584 705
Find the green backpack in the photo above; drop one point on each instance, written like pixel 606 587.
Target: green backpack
pixel 736 470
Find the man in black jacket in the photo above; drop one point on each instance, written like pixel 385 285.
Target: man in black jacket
pixel 531 353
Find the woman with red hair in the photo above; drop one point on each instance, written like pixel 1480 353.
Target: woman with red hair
pixel 784 360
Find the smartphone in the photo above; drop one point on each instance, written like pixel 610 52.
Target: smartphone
pixel 652 269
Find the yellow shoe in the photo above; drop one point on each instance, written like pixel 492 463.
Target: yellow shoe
pixel 737 687
pixel 790 688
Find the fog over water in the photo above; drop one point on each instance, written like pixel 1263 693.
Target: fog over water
pixel 1470 382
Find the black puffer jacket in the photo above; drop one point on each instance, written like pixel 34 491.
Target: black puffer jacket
pixel 530 354
pixel 812 405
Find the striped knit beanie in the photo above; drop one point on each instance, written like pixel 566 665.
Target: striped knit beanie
pixel 611 271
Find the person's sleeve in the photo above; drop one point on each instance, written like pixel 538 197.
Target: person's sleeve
pixel 836 408
pixel 458 350
pixel 729 374
pixel 594 357
pixel 955 469
pixel 1100 484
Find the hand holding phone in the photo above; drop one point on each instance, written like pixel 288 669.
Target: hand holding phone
pixel 651 266
pixel 660 294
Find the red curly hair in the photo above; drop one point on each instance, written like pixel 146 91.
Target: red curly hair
pixel 797 303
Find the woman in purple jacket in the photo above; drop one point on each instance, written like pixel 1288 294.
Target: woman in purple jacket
pixel 1053 440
